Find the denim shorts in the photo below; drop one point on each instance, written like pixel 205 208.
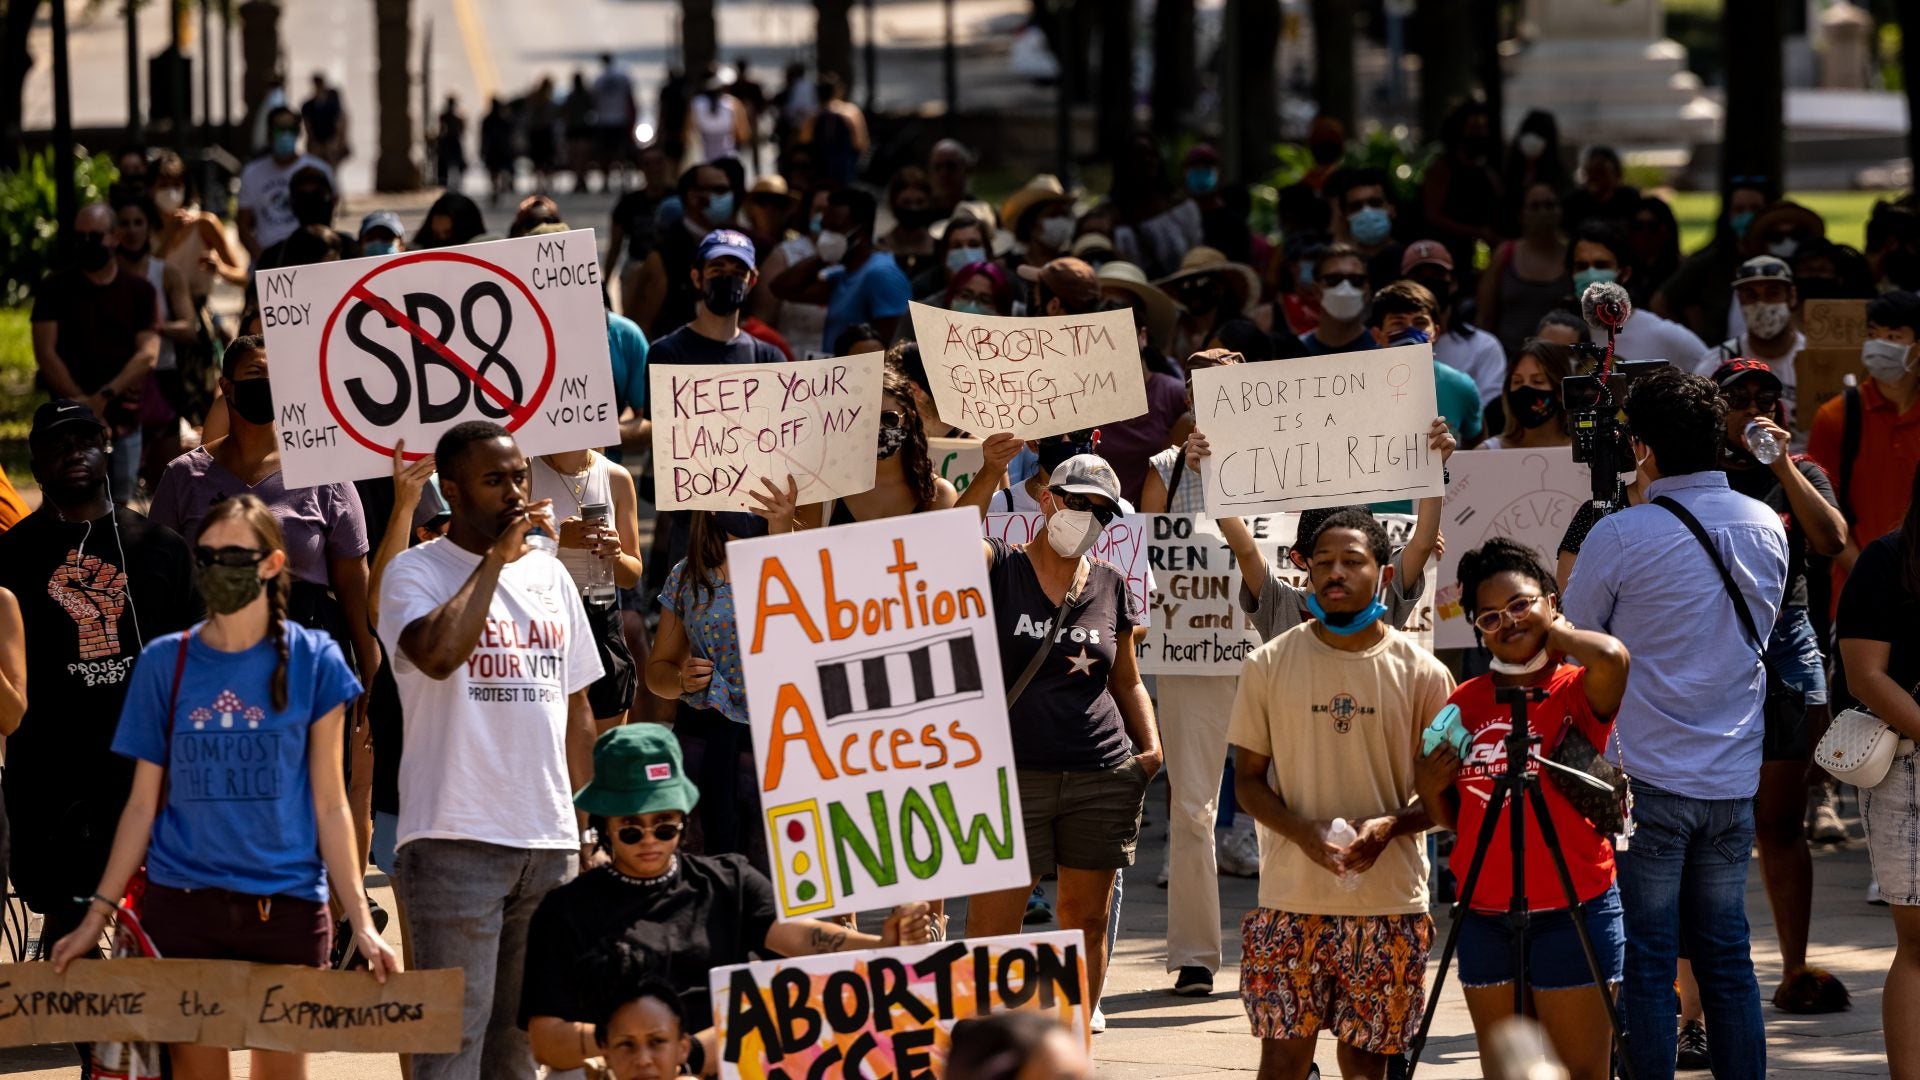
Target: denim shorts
pixel 1793 652
pixel 1891 812
pixel 1555 960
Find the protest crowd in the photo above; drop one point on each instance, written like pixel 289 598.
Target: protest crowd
pixel 481 673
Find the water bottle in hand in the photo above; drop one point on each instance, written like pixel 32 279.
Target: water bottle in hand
pixel 1340 834
pixel 1761 443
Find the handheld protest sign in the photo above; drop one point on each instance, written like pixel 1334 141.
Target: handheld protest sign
pixel 956 460
pixel 1123 543
pixel 368 352
pixel 872 668
pixel 231 1003
pixel 1032 377
pixel 1835 330
pixel 1529 496
pixel 718 429
pixel 1318 431
pixel 889 1012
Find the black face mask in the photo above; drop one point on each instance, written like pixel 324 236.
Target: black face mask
pixel 312 207
pixel 739 524
pixel 1051 454
pixel 1533 406
pixel 918 218
pixel 253 401
pixel 724 295
pixel 91 256
pixel 1201 301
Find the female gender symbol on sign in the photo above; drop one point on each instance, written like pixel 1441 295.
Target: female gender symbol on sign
pixel 469 282
pixel 1397 377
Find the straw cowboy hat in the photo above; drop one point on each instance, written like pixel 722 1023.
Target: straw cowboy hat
pixel 1786 214
pixel 1162 312
pixel 1043 188
pixel 1203 261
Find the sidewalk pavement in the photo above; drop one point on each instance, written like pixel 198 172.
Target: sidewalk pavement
pixel 1152 1034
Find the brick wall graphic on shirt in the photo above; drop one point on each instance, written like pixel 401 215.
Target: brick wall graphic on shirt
pixel 221 755
pixel 93 593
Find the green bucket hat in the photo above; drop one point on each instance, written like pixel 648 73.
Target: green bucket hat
pixel 637 770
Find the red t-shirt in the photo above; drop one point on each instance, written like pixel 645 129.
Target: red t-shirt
pixel 1589 855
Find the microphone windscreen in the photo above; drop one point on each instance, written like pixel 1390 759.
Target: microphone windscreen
pixel 1606 306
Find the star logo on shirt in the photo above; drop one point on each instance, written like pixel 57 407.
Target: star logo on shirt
pixel 1082 664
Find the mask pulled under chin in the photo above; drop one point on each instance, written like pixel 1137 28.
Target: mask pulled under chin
pixel 1343 624
pixel 1071 533
pixel 1502 667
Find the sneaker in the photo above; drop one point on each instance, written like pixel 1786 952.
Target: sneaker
pixel 1097 1025
pixel 1693 1047
pixel 1194 981
pixel 1239 853
pixel 1823 817
pixel 1166 870
pixel 1038 910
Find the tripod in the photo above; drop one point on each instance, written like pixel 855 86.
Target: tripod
pixel 1518 779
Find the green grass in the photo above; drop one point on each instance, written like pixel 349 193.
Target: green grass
pixel 18 395
pixel 1846 214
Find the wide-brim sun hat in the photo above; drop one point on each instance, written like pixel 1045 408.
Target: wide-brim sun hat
pixel 1162 312
pixel 637 770
pixel 1204 260
pixel 1044 188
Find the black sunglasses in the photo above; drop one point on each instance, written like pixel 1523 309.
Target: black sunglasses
pixel 91 237
pixel 632 835
pixel 1358 281
pixel 1764 400
pixel 228 556
pixel 1075 501
pixel 890 418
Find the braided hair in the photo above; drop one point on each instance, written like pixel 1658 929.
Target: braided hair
pixel 250 511
pixel 916 463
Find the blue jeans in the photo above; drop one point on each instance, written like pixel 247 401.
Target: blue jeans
pixel 1683 882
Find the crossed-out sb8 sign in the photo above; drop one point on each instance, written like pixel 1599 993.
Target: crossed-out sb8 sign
pixel 369 352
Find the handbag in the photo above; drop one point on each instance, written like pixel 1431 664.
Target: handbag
pixel 1605 808
pixel 1858 748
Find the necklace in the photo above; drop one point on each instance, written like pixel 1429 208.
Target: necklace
pixel 575 483
pixel 665 876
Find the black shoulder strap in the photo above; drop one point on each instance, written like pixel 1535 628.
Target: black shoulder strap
pixel 1052 635
pixel 1179 471
pixel 1849 448
pixel 1733 591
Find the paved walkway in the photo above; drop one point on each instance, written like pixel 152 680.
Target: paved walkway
pixel 1151 1033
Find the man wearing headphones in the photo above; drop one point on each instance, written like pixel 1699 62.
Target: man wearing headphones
pixel 96 581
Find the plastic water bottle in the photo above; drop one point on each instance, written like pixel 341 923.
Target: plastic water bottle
pixel 1340 834
pixel 599 588
pixel 1761 443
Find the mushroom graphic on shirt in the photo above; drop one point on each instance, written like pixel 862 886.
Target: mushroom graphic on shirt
pixel 254 715
pixel 200 718
pixel 226 705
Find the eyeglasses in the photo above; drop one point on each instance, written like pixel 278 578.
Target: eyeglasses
pixel 633 835
pixel 1489 621
pixel 890 418
pixel 1763 400
pixel 1075 501
pixel 228 556
pixel 1358 281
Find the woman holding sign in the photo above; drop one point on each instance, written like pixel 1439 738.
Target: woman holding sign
pixel 238 847
pixel 904 479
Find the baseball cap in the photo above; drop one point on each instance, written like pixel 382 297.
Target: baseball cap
pixel 1070 279
pixel 432 507
pixel 727 242
pixel 59 413
pixel 1086 474
pixel 1424 252
pixel 1741 367
pixel 637 770
pixel 1763 268
pixel 382 219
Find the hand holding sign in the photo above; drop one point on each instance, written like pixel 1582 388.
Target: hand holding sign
pixel 1032 377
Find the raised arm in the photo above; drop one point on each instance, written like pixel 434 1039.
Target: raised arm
pixel 996 452
pixel 408 482
pixel 1426 526
pixel 441 640
pixel 1604 657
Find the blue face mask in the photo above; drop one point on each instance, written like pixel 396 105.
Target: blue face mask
pixel 1306 274
pixel 285 143
pixel 1371 226
pixel 1412 335
pixel 377 247
pixel 1739 222
pixel 1350 623
pixel 971 307
pixel 720 209
pixel 1584 278
pixel 1203 180
pixel 813 225
pixel 960 258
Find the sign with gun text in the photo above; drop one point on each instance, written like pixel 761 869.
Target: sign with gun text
pixel 1031 377
pixel 1122 543
pixel 230 1003
pixel 368 352
pixel 1195 623
pixel 889 1012
pixel 1318 431
pixel 879 713
pixel 1529 496
pixel 718 429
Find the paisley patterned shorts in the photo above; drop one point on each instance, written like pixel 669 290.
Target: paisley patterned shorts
pixel 1359 976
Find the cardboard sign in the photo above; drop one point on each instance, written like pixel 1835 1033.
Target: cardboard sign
pixel 230 1003
pixel 1122 543
pixel 370 351
pixel 719 428
pixel 1524 495
pixel 1821 375
pixel 956 460
pixel 1834 324
pixel 888 1012
pixel 1033 377
pixel 872 667
pixel 1195 623
pixel 1318 431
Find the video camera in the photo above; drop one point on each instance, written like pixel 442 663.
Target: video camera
pixel 1594 402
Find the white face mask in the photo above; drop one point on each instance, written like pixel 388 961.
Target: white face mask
pixel 831 246
pixel 1344 301
pixel 1501 667
pixel 169 199
pixel 1056 232
pixel 1072 532
pixel 1766 320
pixel 1884 360
pixel 1532 144
pixel 1783 248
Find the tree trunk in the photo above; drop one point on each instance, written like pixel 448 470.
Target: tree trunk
pixel 1909 15
pixel 699 42
pixel 1257 37
pixel 834 36
pixel 15 61
pixel 1443 31
pixel 396 169
pixel 259 56
pixel 1333 60
pixel 1172 65
pixel 1753 144
pixel 1116 80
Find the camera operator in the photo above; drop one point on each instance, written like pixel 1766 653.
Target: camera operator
pixel 1690 730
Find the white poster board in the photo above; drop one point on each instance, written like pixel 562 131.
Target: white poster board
pixel 1318 431
pixel 879 715
pixel 718 429
pixel 368 352
pixel 1122 543
pixel 1524 495
pixel 957 460
pixel 1195 624
pixel 1033 377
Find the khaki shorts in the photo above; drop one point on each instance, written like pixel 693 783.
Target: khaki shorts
pixel 1082 820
